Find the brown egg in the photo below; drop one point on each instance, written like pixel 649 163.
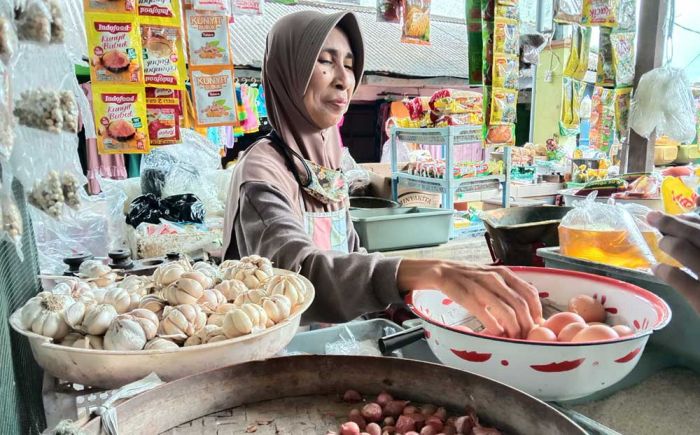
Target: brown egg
pixel 570 331
pixel 540 333
pixel 595 333
pixel 558 321
pixel 623 330
pixel 590 309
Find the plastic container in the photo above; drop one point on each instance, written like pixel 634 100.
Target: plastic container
pixel 370 202
pixel 401 228
pixel 514 234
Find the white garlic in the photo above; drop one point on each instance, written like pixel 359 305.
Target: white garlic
pixel 121 299
pixel 160 343
pixel 80 341
pixel 148 320
pixel 228 264
pixel 218 317
pixel 136 284
pixel 289 285
pixel 98 318
pixel 105 280
pixel 250 297
pixel 153 303
pixel 259 262
pixel 76 289
pixel 183 320
pixel 205 281
pixel 231 288
pixel 93 269
pixel 258 316
pixel 211 300
pixel 75 314
pixel 125 333
pixel 237 323
pixel 183 291
pixel 44 315
pixel 277 307
pixel 204 335
pixel 209 270
pixel 99 294
pixel 168 273
pixel 251 276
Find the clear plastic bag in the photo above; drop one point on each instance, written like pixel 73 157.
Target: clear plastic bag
pixel 7 125
pixel 8 36
pixel 604 233
pixel 568 11
pixel 156 240
pixel 356 176
pixel 402 152
pixel 663 102
pixel 33 21
pixel 348 345
pixel 11 225
pixel 651 235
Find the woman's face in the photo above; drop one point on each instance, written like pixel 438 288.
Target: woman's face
pixel 332 82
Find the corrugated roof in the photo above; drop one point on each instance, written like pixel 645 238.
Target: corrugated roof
pixel 385 54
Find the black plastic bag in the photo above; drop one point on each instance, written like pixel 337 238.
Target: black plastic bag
pixel 176 208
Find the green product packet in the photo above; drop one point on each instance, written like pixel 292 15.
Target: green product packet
pixel 474 41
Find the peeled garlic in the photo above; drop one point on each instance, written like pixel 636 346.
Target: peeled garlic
pixel 277 307
pixel 183 320
pixel 237 323
pixel 289 285
pixel 125 333
pixel 204 335
pixel 261 263
pixel 218 317
pixel 231 288
pixel 44 315
pixel 211 300
pixel 80 341
pixel 251 276
pixel 250 297
pixel 153 303
pixel 121 299
pixel 148 321
pixel 160 344
pixel 168 273
pixel 183 291
pixel 98 318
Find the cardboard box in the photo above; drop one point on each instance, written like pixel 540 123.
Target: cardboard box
pixel 380 187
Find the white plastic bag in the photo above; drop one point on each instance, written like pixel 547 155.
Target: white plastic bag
pixel 11 225
pixel 663 102
pixel 356 176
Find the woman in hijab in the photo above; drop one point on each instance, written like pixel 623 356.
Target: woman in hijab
pixel 288 200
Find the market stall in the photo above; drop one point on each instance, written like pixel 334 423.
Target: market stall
pixel 122 314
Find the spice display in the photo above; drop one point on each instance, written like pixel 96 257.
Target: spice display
pixel 111 6
pixel 120 119
pixel 164 114
pixel 115 48
pixel 503 105
pixel 162 9
pixel 47 110
pixel 505 71
pixel 208 41
pixel 506 36
pixel 416 22
pixel 214 97
pixel 163 62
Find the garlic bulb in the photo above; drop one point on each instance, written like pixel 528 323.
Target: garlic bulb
pixel 153 303
pixel 75 313
pixel 98 318
pixel 258 316
pixel 250 297
pixel 80 341
pixel 205 335
pixel 182 321
pixel 261 263
pixel 251 276
pixel 148 320
pixel 209 270
pixel 92 269
pixel 76 289
pixel 211 300
pixel 205 281
pixel 104 281
pixel 168 273
pixel 121 299
pixel 125 333
pixel 183 291
pixel 289 285
pixel 277 307
pixel 44 315
pixel 136 284
pixel 237 323
pixel 99 294
pixel 228 264
pixel 231 288
pixel 218 317
pixel 160 343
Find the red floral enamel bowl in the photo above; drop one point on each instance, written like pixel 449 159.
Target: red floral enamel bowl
pixel 549 371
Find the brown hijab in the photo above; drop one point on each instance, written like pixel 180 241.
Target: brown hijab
pixel 293 47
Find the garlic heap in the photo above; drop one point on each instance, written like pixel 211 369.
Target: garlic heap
pixel 170 272
pixel 231 288
pixel 97 273
pixel 122 300
pixel 80 341
pixel 183 291
pixel 44 314
pixel 289 285
pixel 125 333
pixel 182 321
pixel 211 300
pixel 160 343
pixel 97 319
pixel 217 318
pixel 153 303
pixel 251 276
pixel 209 270
pixel 208 334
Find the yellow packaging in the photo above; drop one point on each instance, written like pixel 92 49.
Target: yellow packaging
pixel 506 70
pixel 584 50
pixel 574 54
pixel 600 13
pixel 110 6
pixel 506 36
pixel 214 96
pixel 567 115
pixel 163 56
pixel 120 119
pixel 163 11
pixel 114 44
pixel 503 106
pixel 677 197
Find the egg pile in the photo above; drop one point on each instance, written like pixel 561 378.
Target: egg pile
pixel 584 321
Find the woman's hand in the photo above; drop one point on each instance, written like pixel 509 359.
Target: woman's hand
pixel 504 303
pixel 681 240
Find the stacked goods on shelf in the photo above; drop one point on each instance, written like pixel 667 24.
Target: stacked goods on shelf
pixel 436 168
pixel 137 68
pixel 444 108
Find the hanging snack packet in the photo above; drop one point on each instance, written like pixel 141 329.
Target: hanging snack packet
pixel 115 47
pixel 506 36
pixel 389 11
pixel 214 96
pixel 120 117
pixel 509 12
pixel 416 22
pixel 488 10
pixel 211 5
pixel 582 65
pixel 578 91
pixel 503 106
pixel 169 94
pixel 208 39
pixel 572 62
pixel 623 57
pixel 599 13
pixel 567 117
pixel 162 9
pixel 627 16
pixel 507 2
pixel 505 71
pixel 500 134
pixel 163 58
pixel 605 74
pixel 164 113
pixel 623 98
pixel 111 6
pixel 568 11
pixel 247 7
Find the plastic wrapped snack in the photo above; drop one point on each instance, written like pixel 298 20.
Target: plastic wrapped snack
pixel 600 13
pixel 416 22
pixel 623 57
pixel 33 21
pixel 568 11
pixel 389 11
pixel 505 71
pixel 506 36
pixel 604 233
pixel 605 71
pixel 503 105
pixel 664 102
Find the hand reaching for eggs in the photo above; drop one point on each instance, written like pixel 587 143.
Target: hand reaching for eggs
pixel 504 303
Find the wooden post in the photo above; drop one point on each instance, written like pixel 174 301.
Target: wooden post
pixel 651 43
